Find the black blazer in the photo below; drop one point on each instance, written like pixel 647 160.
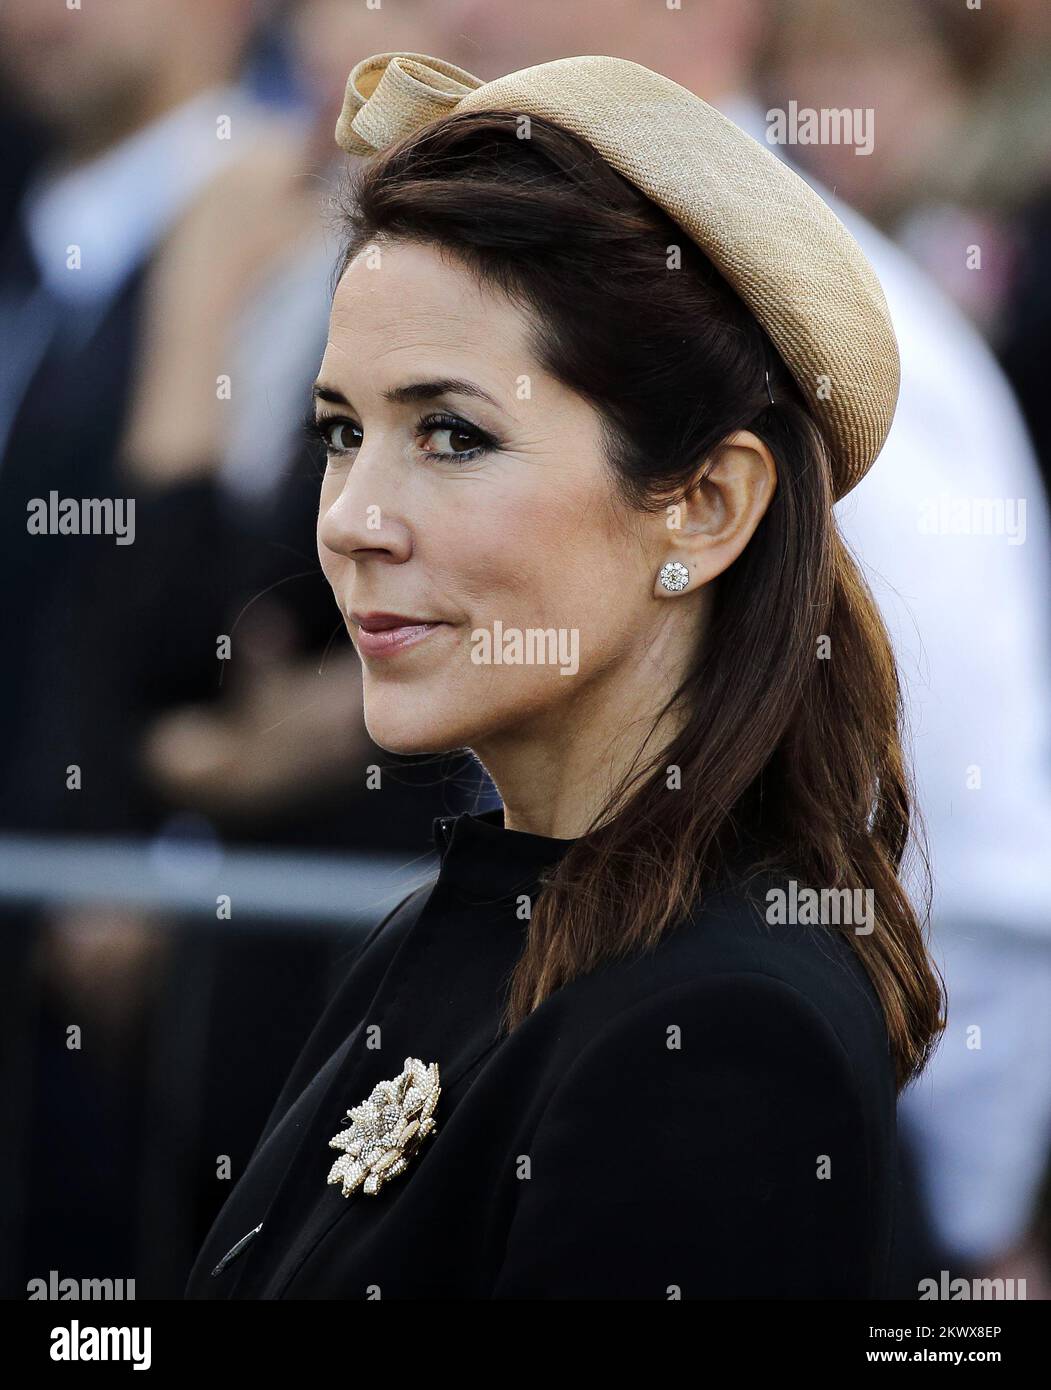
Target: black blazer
pixel 714 1119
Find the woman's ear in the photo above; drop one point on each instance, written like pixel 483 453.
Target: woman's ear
pixel 717 518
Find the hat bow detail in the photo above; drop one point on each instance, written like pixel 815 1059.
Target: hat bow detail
pixel 390 95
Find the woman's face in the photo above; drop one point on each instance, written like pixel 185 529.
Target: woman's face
pixel 489 577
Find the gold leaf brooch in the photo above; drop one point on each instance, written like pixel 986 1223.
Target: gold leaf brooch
pixel 386 1129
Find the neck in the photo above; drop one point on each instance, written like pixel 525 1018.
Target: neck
pixel 556 772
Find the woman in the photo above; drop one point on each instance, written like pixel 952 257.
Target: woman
pixel 598 368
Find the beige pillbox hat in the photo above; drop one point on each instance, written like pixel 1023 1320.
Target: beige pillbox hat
pixel 772 238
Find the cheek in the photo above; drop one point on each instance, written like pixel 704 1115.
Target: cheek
pixel 543 561
pixel 513 556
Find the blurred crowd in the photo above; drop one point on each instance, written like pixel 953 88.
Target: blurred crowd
pixel 166 259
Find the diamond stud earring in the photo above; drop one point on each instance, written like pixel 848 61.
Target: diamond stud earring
pixel 674 576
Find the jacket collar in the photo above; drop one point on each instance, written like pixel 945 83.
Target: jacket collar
pixel 480 859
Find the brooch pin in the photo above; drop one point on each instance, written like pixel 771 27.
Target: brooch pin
pixel 386 1129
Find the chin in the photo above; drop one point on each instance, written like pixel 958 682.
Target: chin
pixel 415 729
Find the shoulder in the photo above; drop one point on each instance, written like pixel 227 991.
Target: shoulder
pixel 716 1124
pixel 729 975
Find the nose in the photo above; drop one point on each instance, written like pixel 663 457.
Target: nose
pixel 363 520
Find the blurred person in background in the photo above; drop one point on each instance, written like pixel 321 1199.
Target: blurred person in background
pixel 136 276
pixel 125 99
pixel 135 100
pixel 1025 330
pixel 970 229
pixel 890 58
pixel 962 102
pixel 960 174
pixel 968 613
pixel 1007 167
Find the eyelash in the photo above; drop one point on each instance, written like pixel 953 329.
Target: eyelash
pixel 318 431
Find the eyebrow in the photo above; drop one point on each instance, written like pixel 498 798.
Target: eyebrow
pixel 413 393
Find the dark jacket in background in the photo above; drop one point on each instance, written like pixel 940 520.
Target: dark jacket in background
pixel 1027 326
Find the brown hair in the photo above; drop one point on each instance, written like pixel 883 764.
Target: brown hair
pixel 793 761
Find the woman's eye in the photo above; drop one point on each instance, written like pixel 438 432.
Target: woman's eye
pixel 442 437
pixel 450 438
pixel 341 435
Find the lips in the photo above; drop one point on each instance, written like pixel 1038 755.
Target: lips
pixel 385 634
pixel 383 622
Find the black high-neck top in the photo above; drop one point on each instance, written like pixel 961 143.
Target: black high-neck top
pixel 479 858
pixel 714 1118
